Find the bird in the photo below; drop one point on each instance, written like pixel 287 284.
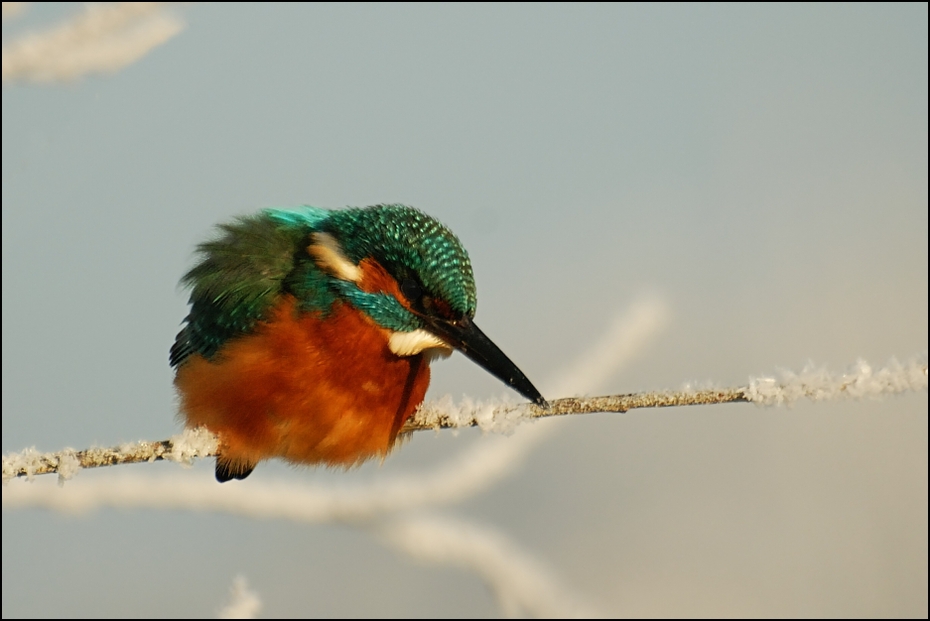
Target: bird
pixel 310 333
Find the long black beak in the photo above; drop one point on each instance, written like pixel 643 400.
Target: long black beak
pixel 465 336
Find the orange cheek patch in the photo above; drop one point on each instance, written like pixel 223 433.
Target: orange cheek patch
pixel 375 279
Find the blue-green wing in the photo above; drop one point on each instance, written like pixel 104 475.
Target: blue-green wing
pixel 240 276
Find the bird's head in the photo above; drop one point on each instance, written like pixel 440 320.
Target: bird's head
pixel 410 275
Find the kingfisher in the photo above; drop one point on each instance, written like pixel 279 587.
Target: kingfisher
pixel 311 331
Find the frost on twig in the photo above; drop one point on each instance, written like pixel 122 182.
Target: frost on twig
pixel 500 417
pixel 859 382
pixel 103 38
pixel 523 585
pixel 182 448
pixel 504 417
pixel 244 603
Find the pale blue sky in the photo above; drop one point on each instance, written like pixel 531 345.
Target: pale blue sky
pixel 762 169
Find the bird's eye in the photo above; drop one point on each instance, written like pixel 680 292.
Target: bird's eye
pixel 411 289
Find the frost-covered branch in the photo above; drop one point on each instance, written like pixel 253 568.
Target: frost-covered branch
pixel 443 414
pixel 501 417
pixel 523 585
pixel 244 603
pixel 182 448
pixel 103 38
pixel 520 581
pixel 861 381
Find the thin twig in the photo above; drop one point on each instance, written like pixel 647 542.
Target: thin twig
pixel 858 382
pixel 430 417
pixel 32 463
pixel 182 448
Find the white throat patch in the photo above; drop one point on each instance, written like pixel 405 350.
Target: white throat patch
pixel 410 343
pixel 331 258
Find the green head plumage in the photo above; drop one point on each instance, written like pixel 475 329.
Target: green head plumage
pixel 417 250
pixel 409 244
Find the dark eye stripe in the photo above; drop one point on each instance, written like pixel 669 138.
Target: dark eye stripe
pixel 411 290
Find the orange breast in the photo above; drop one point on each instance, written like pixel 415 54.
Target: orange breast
pixel 307 388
